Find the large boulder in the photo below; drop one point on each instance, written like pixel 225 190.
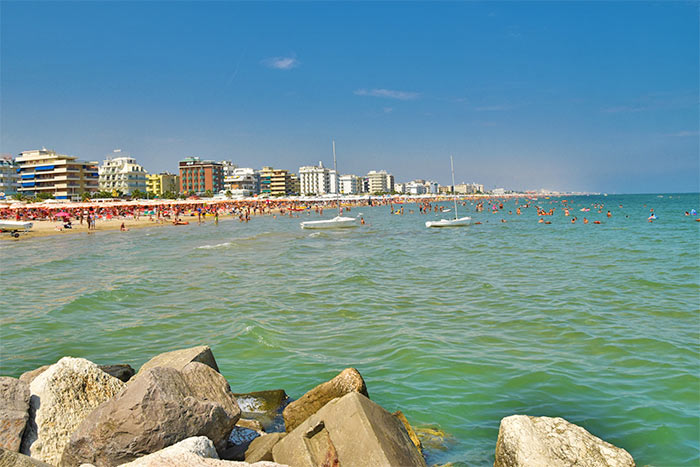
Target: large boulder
pixel 546 441
pixel 349 380
pixel 61 398
pixel 156 409
pixel 177 359
pixel 15 459
pixel 14 412
pixel 351 430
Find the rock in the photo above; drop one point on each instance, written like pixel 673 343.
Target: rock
pixel 196 451
pixel 409 429
pixel 122 372
pixel 262 401
pixel 61 398
pixel 351 430
pixel 198 446
pixel 349 380
pixel 250 424
pixel 14 412
pixel 260 448
pixel 15 459
pixel 29 376
pixel 177 359
pixel 265 407
pixel 547 441
pixel 160 407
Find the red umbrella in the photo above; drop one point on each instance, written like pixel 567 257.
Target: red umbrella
pixel 62 214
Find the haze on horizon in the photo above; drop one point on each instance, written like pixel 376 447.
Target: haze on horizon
pixel 576 96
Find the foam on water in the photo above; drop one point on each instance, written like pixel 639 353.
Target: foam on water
pixel 457 328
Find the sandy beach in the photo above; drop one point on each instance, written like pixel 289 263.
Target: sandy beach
pixel 48 228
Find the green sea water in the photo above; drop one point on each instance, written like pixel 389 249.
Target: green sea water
pixel 599 324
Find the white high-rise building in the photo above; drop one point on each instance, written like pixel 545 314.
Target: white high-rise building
pixel 244 181
pixel 317 180
pixel 380 182
pixel 350 184
pixel 122 174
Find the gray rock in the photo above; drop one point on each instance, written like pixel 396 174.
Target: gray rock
pixel 177 359
pixel 158 408
pixel 61 398
pixel 546 441
pixel 14 412
pixel 351 430
pixel 122 372
pixel 349 380
pixel 260 448
pixel 28 376
pixel 15 459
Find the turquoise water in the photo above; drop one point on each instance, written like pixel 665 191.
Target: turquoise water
pixel 457 328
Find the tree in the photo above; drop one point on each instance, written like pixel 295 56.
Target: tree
pixel 137 194
pixel 208 194
pixel 228 193
pixel 44 195
pixel 85 196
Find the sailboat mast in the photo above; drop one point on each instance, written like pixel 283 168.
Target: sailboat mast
pixel 337 180
pixel 454 194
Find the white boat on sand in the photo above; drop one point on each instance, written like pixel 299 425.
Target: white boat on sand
pixel 338 222
pixel 15 227
pixel 457 221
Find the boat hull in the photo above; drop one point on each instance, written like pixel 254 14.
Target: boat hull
pixel 335 223
pixel 15 226
pixel 461 222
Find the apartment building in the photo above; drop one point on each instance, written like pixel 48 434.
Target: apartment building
pixel 60 175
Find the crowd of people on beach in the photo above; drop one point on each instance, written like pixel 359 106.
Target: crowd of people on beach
pixel 182 212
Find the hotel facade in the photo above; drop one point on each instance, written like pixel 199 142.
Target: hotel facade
pixel 122 174
pixel 159 184
pixel 199 176
pixel 44 171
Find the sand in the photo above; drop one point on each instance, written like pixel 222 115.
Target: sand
pixel 50 228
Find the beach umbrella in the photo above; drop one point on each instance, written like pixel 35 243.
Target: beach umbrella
pixel 62 214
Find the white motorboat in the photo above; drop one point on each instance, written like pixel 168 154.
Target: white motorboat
pixel 337 222
pixel 15 227
pixel 457 221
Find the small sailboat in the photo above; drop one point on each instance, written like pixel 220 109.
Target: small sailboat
pixel 338 222
pixel 457 221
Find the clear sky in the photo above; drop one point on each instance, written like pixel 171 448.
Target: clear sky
pixel 583 96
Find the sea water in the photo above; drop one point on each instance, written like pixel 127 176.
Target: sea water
pixel 457 328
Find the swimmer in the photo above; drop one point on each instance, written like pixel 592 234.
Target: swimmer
pixel 609 214
pixel 596 222
pixel 585 221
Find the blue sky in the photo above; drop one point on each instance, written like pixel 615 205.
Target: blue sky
pixel 583 96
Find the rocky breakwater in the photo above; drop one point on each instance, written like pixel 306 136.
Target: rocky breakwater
pixel 179 410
